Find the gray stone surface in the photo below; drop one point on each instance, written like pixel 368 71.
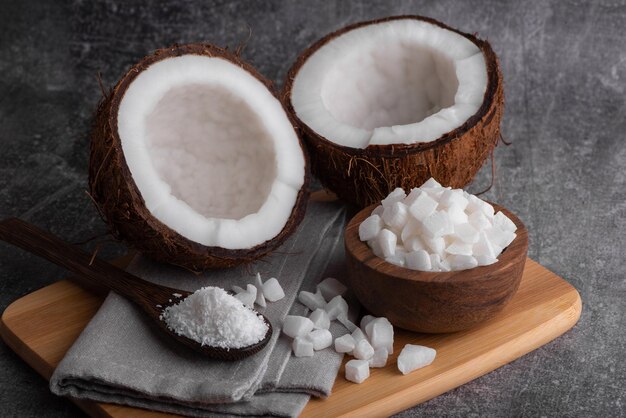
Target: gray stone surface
pixel 565 174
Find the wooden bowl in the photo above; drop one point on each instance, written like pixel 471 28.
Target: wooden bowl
pixel 433 302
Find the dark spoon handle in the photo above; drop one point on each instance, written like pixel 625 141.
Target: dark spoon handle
pixel 90 269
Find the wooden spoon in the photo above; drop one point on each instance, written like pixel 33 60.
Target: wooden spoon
pixel 150 297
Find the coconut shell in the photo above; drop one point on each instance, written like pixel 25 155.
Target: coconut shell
pixel 363 176
pixel 120 203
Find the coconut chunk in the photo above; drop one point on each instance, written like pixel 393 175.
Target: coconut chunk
pixel 503 222
pixel 366 320
pixel 423 206
pixel 397 195
pixel 297 326
pixel 379 359
pixel 248 297
pixel 336 307
pixel 370 228
pixel 343 319
pixel 387 241
pixel 344 344
pixel 357 371
pixel 331 287
pixel 320 319
pixel 413 357
pixel 363 350
pixel 396 216
pixel 321 338
pixel 302 347
pixel 419 260
pixel 272 290
pixel 311 300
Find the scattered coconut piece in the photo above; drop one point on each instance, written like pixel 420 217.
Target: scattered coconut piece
pixel 343 319
pixel 238 289
pixel 366 320
pixel 297 326
pixel 272 290
pixel 336 307
pixel 379 359
pixel 311 300
pixel 344 344
pixel 381 334
pixel 357 370
pixel 302 347
pixel 257 281
pixel 260 298
pixel 331 287
pixel 358 335
pixel 413 357
pixel 248 296
pixel 363 350
pixel 321 338
pixel 320 319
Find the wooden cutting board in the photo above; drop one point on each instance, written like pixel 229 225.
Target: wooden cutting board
pixel 41 326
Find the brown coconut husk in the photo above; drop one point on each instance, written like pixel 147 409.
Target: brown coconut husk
pixel 120 203
pixel 365 176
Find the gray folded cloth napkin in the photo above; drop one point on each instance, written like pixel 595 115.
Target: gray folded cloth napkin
pixel 122 358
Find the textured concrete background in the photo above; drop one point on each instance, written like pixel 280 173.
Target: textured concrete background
pixel 565 174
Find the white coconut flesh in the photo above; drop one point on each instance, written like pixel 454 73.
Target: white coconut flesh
pixel 211 151
pixel 398 82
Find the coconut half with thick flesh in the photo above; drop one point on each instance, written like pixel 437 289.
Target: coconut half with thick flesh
pixel 194 160
pixel 392 102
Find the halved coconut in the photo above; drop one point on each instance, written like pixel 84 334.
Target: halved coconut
pixel 194 161
pixel 390 103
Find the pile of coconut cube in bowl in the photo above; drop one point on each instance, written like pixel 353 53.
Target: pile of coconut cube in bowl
pixel 436 228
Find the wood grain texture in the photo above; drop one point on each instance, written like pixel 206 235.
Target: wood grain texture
pixel 150 297
pixel 438 301
pixel 41 327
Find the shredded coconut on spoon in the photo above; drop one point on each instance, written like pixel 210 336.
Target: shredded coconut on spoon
pixel 214 318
